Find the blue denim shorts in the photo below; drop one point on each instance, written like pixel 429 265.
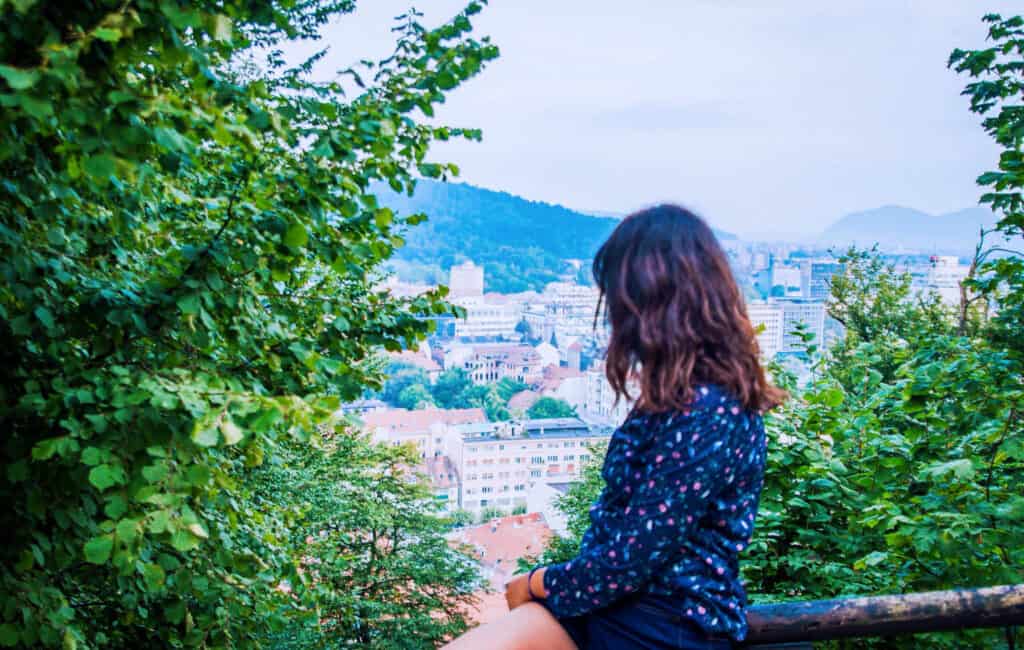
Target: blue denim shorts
pixel 636 624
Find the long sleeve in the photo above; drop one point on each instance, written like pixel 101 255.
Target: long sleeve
pixel 667 484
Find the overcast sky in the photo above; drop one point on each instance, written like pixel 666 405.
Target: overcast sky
pixel 765 116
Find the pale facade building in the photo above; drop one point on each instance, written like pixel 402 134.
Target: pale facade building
pixel 485 320
pixel 499 464
pixel 796 311
pixel 488 363
pixel 767 319
pixel 600 405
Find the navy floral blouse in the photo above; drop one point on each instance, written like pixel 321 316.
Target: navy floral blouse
pixel 678 506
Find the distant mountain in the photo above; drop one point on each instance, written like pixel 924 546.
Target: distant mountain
pixel 521 244
pixel 893 227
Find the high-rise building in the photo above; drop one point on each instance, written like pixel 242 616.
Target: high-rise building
pixel 767 319
pixel 795 311
pixel 816 278
pixel 466 280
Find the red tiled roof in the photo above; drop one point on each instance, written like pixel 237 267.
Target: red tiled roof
pixel 402 420
pixel 523 400
pixel 417 359
pixel 555 375
pixel 498 545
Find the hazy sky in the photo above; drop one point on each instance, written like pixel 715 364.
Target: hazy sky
pixel 765 116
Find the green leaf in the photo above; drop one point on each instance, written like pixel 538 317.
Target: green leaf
pixel 44 316
pixel 296 237
pixel 18 78
pixel 105 476
pixel 97 549
pixel 189 304
pixel 99 166
pixel 184 541
pixel 198 530
pixel 222 27
pixel 205 436
pixel 232 434
pixel 154 576
pixel 108 34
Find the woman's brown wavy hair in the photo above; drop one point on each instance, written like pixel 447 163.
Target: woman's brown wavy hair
pixel 677 317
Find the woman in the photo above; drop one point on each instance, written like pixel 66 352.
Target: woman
pixel 658 566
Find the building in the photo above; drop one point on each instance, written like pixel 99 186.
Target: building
pixel 444 481
pixel 425 429
pixel 497 545
pixel 466 280
pixel 786 281
pixel 945 273
pixel 600 404
pixel 816 278
pixel 796 311
pixel 767 320
pixel 486 320
pixel 499 462
pixel 570 300
pixel 491 362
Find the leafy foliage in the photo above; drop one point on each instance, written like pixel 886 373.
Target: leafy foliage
pixel 550 407
pixel 189 248
pixel 374 558
pixel 509 236
pixel 409 387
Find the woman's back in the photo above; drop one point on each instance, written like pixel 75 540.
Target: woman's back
pixel 681 493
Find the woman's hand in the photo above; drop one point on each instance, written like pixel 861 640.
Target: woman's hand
pixel 518 590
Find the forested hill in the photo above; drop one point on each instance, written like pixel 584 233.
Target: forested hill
pixel 894 227
pixel 522 244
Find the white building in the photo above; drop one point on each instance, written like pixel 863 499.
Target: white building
pixel 789 278
pixel 466 280
pixel 485 320
pixel 945 274
pixel 491 362
pixel 794 312
pixel 500 463
pixel 572 300
pixel 600 405
pixel 767 318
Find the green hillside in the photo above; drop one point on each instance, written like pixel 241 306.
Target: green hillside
pixel 521 244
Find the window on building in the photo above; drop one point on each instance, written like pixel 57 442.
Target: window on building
pixel 537 460
pixel 486 489
pixel 552 459
pixel 535 473
pixel 569 457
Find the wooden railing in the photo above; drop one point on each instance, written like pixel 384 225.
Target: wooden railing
pixel 795 625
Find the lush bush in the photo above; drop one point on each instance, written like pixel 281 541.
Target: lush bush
pixel 550 407
pixel 188 247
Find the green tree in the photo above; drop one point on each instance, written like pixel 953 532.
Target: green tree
pixel 995 91
pixel 550 407
pixel 401 376
pixel 189 247
pixel 508 386
pixel 449 390
pixel 377 568
pixel 415 396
